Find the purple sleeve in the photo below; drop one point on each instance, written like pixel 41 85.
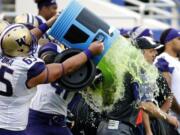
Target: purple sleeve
pixel 163 66
pixel 35 70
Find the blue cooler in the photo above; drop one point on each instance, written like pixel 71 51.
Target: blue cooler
pixel 77 27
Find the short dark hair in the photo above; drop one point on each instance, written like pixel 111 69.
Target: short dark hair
pixel 46 3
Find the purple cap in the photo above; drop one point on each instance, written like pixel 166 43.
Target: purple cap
pixel 169 35
pixel 140 31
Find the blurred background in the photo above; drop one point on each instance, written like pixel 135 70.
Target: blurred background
pixel 123 14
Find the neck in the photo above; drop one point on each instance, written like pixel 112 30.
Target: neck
pixel 171 52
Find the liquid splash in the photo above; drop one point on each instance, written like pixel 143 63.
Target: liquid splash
pixel 121 58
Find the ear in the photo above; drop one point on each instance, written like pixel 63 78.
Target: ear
pixel 143 51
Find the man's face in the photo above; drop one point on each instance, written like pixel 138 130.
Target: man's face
pixel 50 11
pixel 149 55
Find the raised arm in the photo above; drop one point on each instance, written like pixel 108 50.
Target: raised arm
pixel 53 72
pixel 39 31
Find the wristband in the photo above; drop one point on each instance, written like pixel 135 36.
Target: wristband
pixel 43 27
pixel 88 53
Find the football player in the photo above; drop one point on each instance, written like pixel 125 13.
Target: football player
pixel 48 109
pixel 20 73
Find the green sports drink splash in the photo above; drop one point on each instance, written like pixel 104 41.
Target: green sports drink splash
pixel 121 58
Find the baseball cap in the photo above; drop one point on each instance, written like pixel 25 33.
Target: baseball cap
pixel 146 43
pixel 168 35
pixel 140 31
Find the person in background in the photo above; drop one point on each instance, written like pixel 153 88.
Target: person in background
pixel 168 63
pixel 46 9
pixel 48 108
pixel 164 96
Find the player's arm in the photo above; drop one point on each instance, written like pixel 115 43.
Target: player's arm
pixel 146 123
pixel 156 112
pixel 170 102
pixel 39 31
pixel 167 76
pixel 52 72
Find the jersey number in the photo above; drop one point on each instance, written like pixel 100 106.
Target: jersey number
pixel 4 73
pixel 61 92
